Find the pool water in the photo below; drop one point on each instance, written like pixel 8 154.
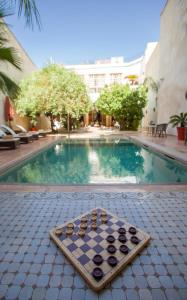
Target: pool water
pixel 97 161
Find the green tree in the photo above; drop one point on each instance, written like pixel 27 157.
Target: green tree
pixel 54 91
pixel 124 104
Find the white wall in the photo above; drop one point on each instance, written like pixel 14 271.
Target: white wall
pixel 173 61
pixel 150 48
pixel 107 68
pixel 152 71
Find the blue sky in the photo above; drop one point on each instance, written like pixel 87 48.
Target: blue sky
pixel 77 31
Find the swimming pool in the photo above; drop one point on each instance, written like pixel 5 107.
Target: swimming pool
pixel 113 161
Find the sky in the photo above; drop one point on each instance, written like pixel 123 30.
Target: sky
pixel 82 31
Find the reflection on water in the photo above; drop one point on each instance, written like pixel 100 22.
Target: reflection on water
pixel 97 162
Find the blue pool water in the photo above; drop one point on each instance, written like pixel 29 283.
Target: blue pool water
pixel 97 161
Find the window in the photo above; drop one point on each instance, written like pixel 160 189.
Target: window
pixel 116 77
pixel 97 80
pixel 92 90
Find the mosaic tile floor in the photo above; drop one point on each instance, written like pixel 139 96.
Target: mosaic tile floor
pixel 31 266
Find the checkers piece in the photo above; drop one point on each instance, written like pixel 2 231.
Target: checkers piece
pixel 94 218
pixel 122 238
pixel 104 220
pixel 97 273
pixel 132 230
pixel 111 249
pixel 84 220
pixel 81 232
pixel 83 226
pixel 69 231
pixel 110 239
pixel 94 226
pixel 135 240
pixel 112 261
pixel 58 231
pixel 94 212
pixel 70 226
pixel 103 214
pixel 98 259
pixel 121 230
pixel 124 249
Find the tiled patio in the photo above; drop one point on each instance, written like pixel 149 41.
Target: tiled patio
pixel 31 266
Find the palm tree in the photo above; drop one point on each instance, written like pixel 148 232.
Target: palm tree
pixel 27 8
pixel 180 119
pixel 8 55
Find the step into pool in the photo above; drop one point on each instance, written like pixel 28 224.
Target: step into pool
pixel 116 161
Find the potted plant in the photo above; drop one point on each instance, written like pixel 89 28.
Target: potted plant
pixel 33 124
pixel 182 121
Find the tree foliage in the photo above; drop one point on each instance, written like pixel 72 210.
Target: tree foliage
pixel 180 119
pixel 27 8
pixel 124 104
pixel 54 91
pixel 8 56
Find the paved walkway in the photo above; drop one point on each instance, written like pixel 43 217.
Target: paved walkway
pixel 32 267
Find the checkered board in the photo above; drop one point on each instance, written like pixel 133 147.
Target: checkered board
pixel 81 250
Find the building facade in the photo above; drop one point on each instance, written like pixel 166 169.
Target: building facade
pixel 106 72
pixel 168 66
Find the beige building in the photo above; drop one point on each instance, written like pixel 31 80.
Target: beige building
pixel 26 64
pixel 168 66
pixel 106 72
pixel 114 70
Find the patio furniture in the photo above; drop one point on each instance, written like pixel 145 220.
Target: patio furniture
pixel 151 129
pixel 43 133
pixel 35 134
pixel 8 141
pixel 24 137
pixel 161 130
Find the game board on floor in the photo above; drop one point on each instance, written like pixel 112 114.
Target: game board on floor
pixel 99 245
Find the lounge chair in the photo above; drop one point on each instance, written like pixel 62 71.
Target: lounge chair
pixel 7 141
pixel 43 132
pixel 35 134
pixel 38 133
pixel 24 138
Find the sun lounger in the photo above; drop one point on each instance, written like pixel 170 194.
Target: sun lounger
pixel 7 141
pixel 35 134
pixel 43 132
pixel 24 137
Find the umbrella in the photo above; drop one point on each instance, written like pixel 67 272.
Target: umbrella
pixel 9 112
